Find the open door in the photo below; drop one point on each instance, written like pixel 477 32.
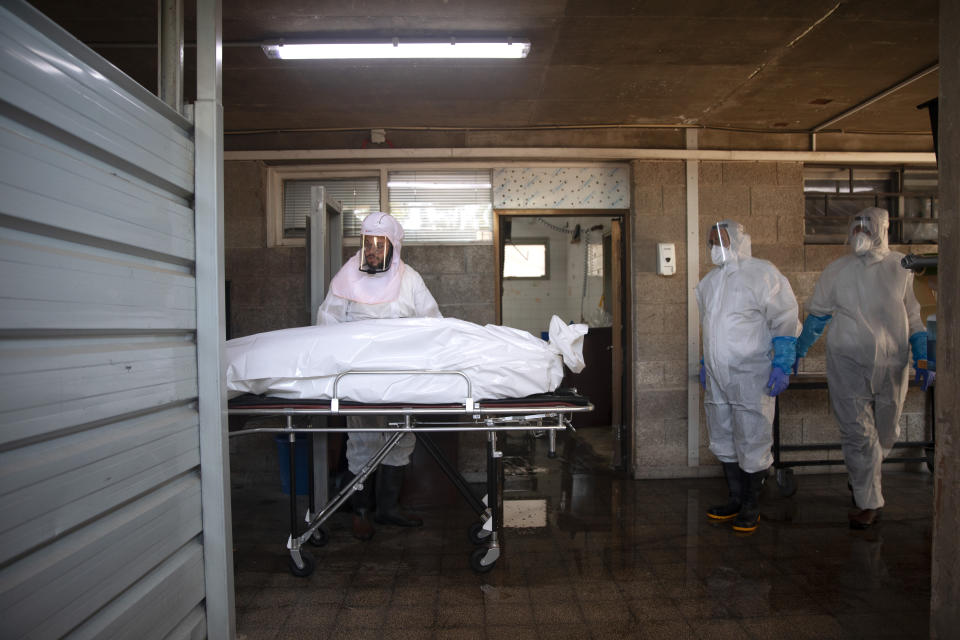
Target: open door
pixel 571 264
pixel 324 250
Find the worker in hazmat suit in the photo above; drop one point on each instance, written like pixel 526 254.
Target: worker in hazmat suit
pixel 876 322
pixel 376 283
pixel 750 323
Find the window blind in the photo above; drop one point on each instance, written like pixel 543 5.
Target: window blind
pixel 442 206
pixel 357 196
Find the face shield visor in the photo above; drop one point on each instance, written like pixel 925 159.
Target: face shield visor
pixel 376 253
pixel 719 243
pixel 862 231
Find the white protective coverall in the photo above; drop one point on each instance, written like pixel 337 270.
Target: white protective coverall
pixel 744 304
pixel 874 311
pixel 398 292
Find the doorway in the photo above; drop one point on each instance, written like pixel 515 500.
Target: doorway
pixel 572 264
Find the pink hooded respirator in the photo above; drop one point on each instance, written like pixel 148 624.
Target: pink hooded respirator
pixel 373 276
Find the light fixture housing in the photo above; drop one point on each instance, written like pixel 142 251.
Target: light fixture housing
pixel 397 49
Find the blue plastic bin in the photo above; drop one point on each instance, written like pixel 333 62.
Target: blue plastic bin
pixel 302 462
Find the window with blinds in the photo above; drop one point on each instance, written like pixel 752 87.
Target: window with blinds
pixel 357 196
pixel 442 206
pixel 833 194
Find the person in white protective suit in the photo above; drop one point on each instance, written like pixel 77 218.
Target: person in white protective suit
pixel 876 322
pixel 750 323
pixel 376 283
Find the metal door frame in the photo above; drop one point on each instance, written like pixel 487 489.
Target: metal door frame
pixel 624 432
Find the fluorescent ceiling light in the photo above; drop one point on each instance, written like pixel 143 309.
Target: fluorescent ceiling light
pixel 397 50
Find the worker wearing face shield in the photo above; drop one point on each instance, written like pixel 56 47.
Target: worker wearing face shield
pixel 750 323
pixel 868 298
pixel 376 283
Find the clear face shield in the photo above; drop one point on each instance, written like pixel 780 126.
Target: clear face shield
pixel 375 254
pixel 719 243
pixel 861 234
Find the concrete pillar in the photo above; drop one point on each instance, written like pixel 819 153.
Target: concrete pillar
pixel 659 321
pixel 945 574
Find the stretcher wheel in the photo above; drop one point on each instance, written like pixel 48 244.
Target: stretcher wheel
pixel 319 537
pixel 476 560
pixel 787 482
pixel 477 534
pixel 309 564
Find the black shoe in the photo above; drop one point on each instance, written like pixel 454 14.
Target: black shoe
pixel 361 501
pixel 389 484
pixel 861 519
pixel 731 470
pixel 362 528
pixel 749 516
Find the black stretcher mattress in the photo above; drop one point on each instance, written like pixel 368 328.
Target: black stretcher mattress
pixel 558 398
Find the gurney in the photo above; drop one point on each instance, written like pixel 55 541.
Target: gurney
pixel 783 469
pixel 547 412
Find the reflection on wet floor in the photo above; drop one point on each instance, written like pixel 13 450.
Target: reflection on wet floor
pixel 619 558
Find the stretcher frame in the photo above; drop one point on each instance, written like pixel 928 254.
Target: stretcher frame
pixel 786 479
pixel 550 413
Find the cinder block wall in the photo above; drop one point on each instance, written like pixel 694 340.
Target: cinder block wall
pixel 460 277
pixel 767 197
pixel 266 284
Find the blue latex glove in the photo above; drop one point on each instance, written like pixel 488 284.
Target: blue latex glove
pixel 918 346
pixel 813 328
pixel 778 381
pixel 703 375
pixel 784 352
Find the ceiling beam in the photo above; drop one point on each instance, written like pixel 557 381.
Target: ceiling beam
pixel 880 96
pixel 495 154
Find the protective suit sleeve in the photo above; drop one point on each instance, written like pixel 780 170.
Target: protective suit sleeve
pixel 425 304
pixel 823 300
pixel 910 303
pixel 332 310
pixel 918 346
pixel 780 308
pixel 784 352
pixel 813 328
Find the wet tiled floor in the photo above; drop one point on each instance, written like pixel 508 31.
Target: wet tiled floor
pixel 619 559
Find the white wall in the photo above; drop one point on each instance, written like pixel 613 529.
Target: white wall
pixel 529 304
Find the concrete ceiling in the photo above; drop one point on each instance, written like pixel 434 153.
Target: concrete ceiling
pixel 769 66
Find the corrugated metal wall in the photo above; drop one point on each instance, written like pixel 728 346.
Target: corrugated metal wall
pixel 100 509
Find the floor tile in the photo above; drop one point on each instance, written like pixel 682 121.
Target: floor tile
pixel 639 561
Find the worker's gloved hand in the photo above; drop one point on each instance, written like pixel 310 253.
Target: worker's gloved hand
pixel 784 352
pixel 778 381
pixel 703 376
pixel 796 365
pixel 813 328
pixel 925 377
pixel 918 347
